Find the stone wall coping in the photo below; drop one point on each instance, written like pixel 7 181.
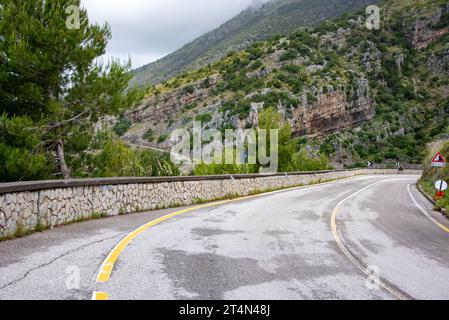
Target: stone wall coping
pixel 30 186
pixel 14 187
pixel 28 206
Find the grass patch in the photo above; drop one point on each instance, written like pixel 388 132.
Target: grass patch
pixel 428 188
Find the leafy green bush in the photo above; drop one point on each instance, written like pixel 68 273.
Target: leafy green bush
pixel 149 135
pixel 253 84
pixel 118 160
pixel 289 55
pixel 292 68
pixel 311 98
pixel 206 83
pixel 236 82
pixel 162 138
pixel 272 99
pixel 303 161
pixel 22 155
pixel 204 118
pixel 189 89
pixel 255 52
pixel 122 126
pixel 20 164
pixel 256 65
pixel 157 165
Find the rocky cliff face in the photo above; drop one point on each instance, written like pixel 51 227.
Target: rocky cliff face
pixel 346 89
pixel 426 30
pixel 332 112
pixel 163 107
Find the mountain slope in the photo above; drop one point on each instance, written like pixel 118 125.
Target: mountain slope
pixel 253 24
pixel 352 93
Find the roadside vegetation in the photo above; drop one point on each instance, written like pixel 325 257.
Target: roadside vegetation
pixel 53 92
pixel 407 87
pixel 431 175
pixel 292 156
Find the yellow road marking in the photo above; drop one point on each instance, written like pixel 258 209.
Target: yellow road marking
pixel 348 254
pixel 107 267
pixel 443 227
pixel 425 212
pixel 100 296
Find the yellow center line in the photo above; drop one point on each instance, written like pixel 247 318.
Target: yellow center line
pixel 100 296
pixel 348 254
pixel 105 272
pixel 354 260
pixel 107 267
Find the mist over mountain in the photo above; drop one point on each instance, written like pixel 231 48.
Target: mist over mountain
pixel 260 21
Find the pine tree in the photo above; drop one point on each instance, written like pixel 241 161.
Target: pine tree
pixel 50 74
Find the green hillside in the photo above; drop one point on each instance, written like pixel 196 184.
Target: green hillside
pixel 352 93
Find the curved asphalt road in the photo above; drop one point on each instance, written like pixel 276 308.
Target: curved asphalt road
pixel 362 238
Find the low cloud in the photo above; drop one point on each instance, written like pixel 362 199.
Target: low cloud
pixel 147 30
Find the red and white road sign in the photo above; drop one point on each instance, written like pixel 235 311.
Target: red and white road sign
pixel 438 161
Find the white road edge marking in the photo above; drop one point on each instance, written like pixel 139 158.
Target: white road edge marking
pixel 425 211
pixel 336 232
pixel 306 187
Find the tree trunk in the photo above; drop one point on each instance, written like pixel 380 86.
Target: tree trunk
pixel 60 159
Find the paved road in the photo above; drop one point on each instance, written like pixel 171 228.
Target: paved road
pixel 362 238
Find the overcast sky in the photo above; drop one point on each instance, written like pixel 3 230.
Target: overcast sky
pixel 147 30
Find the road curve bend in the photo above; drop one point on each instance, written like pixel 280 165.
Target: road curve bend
pixel 370 237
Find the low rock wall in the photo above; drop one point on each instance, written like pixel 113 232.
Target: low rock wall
pixel 27 207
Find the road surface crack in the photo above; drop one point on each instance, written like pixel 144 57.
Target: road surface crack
pixel 56 259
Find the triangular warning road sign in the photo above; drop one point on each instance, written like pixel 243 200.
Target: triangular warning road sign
pixel 438 160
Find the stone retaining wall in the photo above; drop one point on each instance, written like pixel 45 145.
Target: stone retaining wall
pixel 27 207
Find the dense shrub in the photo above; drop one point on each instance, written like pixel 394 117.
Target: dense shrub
pixel 204 118
pixel 162 138
pixel 289 55
pixel 22 156
pixel 117 159
pixel 122 126
pixel 149 135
